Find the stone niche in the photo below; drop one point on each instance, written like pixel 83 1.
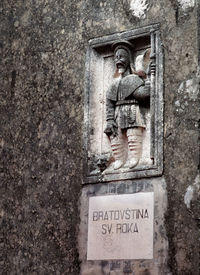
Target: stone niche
pixel 147 56
pixel 123 201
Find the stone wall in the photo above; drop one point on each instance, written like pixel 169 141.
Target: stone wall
pixel 41 117
pixel 43 46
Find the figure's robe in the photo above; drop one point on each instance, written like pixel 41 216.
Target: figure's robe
pixel 123 101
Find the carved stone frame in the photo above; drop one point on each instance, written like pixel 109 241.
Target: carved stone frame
pixel 156 105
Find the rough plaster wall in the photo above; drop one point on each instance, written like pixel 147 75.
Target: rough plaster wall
pixel 40 130
pixel 43 45
pixel 181 141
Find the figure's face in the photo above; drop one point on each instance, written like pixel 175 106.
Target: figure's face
pixel 121 60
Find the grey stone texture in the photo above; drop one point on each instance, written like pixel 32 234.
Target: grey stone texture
pixel 42 53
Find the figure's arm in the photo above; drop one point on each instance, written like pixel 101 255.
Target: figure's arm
pixel 143 92
pixel 111 126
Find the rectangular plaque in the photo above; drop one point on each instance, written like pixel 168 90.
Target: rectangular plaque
pixel 121 227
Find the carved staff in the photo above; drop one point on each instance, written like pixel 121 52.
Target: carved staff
pixel 152 104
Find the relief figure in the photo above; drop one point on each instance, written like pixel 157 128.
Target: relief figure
pixel 124 121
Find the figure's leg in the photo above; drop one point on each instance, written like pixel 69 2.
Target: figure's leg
pixel 117 146
pixel 134 136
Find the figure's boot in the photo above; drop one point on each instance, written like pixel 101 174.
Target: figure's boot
pixel 117 145
pixel 135 146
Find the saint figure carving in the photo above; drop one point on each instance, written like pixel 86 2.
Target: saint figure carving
pixel 125 124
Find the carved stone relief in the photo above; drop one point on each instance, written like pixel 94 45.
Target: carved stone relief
pixel 123 106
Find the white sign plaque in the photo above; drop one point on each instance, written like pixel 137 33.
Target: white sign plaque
pixel 121 227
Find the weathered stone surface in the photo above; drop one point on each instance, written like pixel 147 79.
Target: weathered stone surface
pixel 40 130
pixel 42 47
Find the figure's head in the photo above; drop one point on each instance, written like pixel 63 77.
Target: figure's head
pixel 122 56
pixel 122 60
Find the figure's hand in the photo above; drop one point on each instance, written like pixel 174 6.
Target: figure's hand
pixel 141 74
pixel 111 128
